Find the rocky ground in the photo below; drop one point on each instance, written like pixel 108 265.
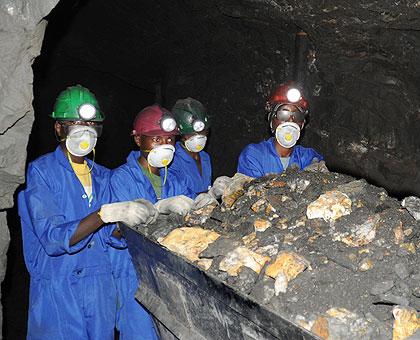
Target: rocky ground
pixel 333 254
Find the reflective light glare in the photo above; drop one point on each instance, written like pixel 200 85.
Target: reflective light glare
pixel 198 126
pixel 168 124
pixel 87 111
pixel 293 95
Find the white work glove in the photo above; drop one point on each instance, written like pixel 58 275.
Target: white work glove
pixel 131 213
pixel 177 204
pixel 204 199
pixel 219 186
pixel 316 166
pixel 412 204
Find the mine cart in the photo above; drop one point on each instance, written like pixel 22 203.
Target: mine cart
pixel 192 304
pixel 298 255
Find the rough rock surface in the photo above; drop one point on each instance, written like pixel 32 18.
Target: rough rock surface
pixel 338 277
pixel 21 34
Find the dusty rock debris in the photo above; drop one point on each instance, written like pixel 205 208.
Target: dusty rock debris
pixel 332 254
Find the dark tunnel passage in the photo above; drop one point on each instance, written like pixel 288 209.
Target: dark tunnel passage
pixel 361 79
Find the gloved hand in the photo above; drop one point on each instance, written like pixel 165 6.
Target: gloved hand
pixel 219 186
pixel 316 166
pixel 412 204
pixel 131 213
pixel 204 199
pixel 177 204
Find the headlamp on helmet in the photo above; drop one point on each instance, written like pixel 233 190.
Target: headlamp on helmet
pixel 77 103
pixel 191 116
pixel 87 111
pixel 167 123
pixel 285 102
pixel 198 125
pixel 293 95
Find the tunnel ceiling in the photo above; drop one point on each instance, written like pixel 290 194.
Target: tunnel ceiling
pixel 362 76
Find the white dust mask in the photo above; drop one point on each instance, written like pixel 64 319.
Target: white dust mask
pixel 161 156
pixel 287 134
pixel 196 143
pixel 81 140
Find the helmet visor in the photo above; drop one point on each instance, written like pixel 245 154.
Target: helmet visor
pixel 284 113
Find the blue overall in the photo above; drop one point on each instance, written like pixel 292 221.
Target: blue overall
pixel 261 159
pixel 184 166
pixel 128 183
pixel 72 290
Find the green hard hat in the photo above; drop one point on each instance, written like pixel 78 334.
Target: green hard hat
pixel 77 103
pixel 190 115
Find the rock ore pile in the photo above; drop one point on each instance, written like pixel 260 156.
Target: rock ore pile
pixel 332 254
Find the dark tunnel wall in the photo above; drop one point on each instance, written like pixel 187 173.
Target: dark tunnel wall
pixel 362 77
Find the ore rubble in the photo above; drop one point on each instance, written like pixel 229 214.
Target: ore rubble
pixel 333 254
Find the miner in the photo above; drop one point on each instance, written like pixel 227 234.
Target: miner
pixel 66 230
pixel 287 110
pixel 145 175
pixel 191 162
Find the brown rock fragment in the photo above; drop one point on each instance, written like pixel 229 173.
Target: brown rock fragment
pixel 240 257
pixel 247 239
pixel 290 263
pixel 341 313
pixel 200 215
pixel 204 263
pixel 189 241
pixel 366 265
pixel 363 234
pixel 261 224
pixel 320 328
pixel 230 199
pixel 277 184
pixel 256 207
pixel 289 238
pixel 329 206
pixel 269 209
pixel 398 234
pixel 235 189
pixel 406 322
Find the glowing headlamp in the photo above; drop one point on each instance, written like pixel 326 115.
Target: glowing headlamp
pixel 87 111
pixel 293 95
pixel 198 125
pixel 167 123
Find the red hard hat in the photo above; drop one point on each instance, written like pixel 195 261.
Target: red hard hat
pixel 148 122
pixel 280 96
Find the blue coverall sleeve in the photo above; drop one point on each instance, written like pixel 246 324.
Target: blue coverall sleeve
pixel 120 191
pixel 108 229
pixel 249 164
pixel 48 222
